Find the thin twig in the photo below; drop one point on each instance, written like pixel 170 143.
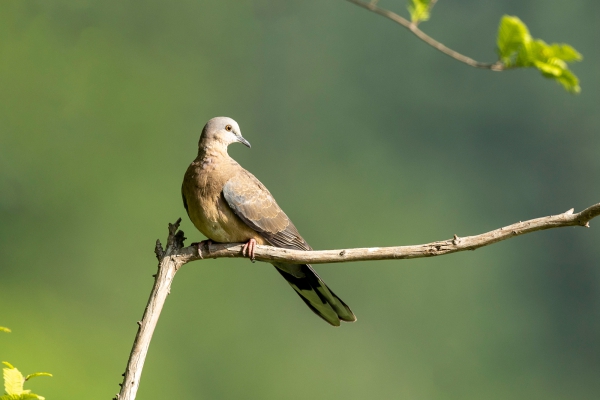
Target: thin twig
pixel 432 4
pixel 412 27
pixel 175 255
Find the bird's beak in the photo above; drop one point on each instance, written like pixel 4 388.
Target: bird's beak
pixel 243 141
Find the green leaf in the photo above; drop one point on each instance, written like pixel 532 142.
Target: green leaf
pixel 419 10
pixel 3 329
pixel 566 52
pixel 13 384
pixel 569 81
pixel 36 374
pixel 13 380
pixel 548 70
pixel 516 48
pixel 512 35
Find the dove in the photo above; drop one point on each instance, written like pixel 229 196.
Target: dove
pixel 228 204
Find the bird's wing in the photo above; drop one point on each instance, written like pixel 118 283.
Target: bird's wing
pixel 252 202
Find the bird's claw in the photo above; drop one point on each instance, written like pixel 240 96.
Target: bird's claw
pixel 248 249
pixel 206 242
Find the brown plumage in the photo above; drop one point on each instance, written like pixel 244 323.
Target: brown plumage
pixel 228 204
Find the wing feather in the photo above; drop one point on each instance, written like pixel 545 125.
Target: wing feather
pixel 254 204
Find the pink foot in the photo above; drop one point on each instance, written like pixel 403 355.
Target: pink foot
pixel 248 249
pixel 206 242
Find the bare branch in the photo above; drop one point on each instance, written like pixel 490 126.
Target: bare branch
pixel 175 255
pixel 413 28
pixel 167 267
pixel 454 245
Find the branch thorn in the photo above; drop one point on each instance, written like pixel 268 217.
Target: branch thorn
pixel 456 240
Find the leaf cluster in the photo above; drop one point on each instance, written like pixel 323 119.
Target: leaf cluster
pixel 517 48
pixel 13 384
pixel 14 381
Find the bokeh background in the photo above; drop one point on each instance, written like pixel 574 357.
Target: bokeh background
pixel 365 135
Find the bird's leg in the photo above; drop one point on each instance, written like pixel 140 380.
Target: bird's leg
pixel 207 242
pixel 248 249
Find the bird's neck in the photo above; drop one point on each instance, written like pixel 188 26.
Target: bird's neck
pixel 212 150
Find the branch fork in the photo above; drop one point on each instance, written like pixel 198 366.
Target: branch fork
pixel 176 255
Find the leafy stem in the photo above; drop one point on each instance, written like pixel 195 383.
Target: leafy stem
pixel 515 46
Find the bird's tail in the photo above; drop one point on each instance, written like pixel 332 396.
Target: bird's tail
pixel 315 293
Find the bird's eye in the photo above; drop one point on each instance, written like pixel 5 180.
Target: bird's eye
pixel 228 128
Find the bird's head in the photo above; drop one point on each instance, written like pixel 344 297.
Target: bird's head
pixel 223 131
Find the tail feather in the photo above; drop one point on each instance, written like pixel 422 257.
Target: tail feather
pixel 315 293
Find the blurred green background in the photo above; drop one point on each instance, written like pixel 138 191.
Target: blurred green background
pixel 366 137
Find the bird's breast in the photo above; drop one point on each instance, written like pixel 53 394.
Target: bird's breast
pixel 210 213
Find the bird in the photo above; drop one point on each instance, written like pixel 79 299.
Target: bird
pixel 228 204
